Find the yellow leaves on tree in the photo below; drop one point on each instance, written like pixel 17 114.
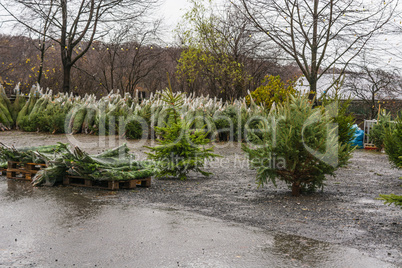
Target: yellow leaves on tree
pixel 272 90
pixel 221 70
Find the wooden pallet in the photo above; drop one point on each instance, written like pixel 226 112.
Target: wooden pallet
pixel 16 170
pixel 3 171
pixel 109 185
pixel 32 169
pixel 20 171
pixel 370 147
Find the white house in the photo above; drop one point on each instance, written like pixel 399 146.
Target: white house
pixel 355 88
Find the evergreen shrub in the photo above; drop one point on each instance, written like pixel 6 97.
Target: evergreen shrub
pixel 299 146
pixel 180 148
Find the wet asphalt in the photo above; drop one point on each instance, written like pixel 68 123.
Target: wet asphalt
pixel 70 227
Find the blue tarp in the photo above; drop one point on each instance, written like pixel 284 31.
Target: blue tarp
pixel 358 138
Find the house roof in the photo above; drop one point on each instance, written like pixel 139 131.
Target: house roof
pixel 345 88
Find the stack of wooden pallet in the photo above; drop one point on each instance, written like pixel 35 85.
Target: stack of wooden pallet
pixel 107 184
pixel 3 171
pixel 23 171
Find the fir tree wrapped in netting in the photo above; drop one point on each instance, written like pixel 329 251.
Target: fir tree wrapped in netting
pixel 299 146
pixel 115 164
pixel 37 154
pixel 6 119
pixel 180 148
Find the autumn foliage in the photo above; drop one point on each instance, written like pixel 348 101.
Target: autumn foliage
pixel 272 90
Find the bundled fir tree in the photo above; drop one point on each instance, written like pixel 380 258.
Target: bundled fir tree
pixel 6 120
pixel 299 145
pixel 180 148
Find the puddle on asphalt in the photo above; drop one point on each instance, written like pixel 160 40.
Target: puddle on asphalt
pixel 61 226
pixel 369 201
pixel 18 189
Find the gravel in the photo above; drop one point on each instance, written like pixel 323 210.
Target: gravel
pixel 346 212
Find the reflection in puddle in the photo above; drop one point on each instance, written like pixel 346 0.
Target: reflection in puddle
pixel 72 204
pixel 302 249
pixel 369 201
pixel 17 189
pixel 62 226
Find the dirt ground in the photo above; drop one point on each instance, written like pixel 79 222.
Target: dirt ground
pixel 345 213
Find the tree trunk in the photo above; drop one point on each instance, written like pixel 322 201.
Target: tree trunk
pixel 296 189
pixel 313 89
pixel 40 72
pixel 373 106
pixel 314 50
pixel 66 78
pixel 42 60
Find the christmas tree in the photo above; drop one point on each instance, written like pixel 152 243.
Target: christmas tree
pixel 299 145
pixel 180 148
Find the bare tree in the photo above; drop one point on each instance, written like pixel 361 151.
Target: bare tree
pixel 319 35
pixel 394 34
pixel 107 59
pixel 247 47
pixel 102 64
pixel 224 55
pixel 39 37
pixel 75 24
pixel 372 85
pixel 142 60
pixel 51 12
pixel 18 62
pixel 124 59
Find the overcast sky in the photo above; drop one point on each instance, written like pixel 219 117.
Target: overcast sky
pixel 170 10
pixel 385 48
pixel 173 10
